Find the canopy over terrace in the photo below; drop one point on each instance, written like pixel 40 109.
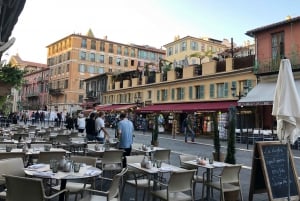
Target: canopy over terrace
pixel 114 107
pixel 262 94
pixel 188 107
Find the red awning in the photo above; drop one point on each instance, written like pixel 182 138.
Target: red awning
pixel 188 107
pixel 114 107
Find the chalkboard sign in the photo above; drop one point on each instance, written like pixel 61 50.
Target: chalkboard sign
pixel 273 171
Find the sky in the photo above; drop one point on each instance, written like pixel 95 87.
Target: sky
pixel 142 22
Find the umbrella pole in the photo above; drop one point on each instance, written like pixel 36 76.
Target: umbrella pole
pixel 288 158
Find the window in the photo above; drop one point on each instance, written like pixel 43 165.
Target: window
pixel 111 48
pixel 164 95
pixel 118 62
pixel 126 51
pixel 126 63
pixel 170 51
pixel 194 45
pixel 93 45
pixel 80 98
pixel 183 46
pixel 110 60
pixel 132 53
pixel 81 84
pixel 83 43
pixel 176 49
pixel 203 47
pixel 81 68
pixel 92 57
pixel 100 70
pixel 149 94
pixel 91 69
pixel 211 90
pixel 67 67
pixel 222 90
pixel 119 50
pixel 82 55
pixel 199 92
pixel 101 59
pixel 66 84
pixel 59 70
pixel 180 93
pixel 173 94
pixel 102 46
pixel 132 62
pixel 277 47
pixel 190 92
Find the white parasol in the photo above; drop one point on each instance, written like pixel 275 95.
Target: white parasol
pixel 286 105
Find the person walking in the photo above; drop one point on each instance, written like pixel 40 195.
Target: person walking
pixel 81 123
pixel 188 123
pixel 100 127
pixel 125 135
pixel 90 127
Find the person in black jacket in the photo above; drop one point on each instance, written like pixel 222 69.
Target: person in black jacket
pixel 90 127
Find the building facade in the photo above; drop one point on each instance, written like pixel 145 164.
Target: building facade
pixel 77 57
pixel 273 43
pixel 33 94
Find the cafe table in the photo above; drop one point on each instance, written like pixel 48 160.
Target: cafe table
pixel 209 169
pixel 155 171
pixel 146 151
pixel 43 171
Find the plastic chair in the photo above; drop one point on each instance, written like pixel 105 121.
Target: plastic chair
pixel 113 193
pixel 25 188
pixel 227 181
pixel 179 183
pixel 135 178
pixel 162 155
pixel 197 178
pixel 76 187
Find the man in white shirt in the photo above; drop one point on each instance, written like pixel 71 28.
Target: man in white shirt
pixel 100 127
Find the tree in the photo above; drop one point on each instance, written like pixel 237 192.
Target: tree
pixel 230 157
pixel 202 55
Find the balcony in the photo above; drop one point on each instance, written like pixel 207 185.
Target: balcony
pixel 32 95
pixel 56 92
pixel 91 94
pixel 271 65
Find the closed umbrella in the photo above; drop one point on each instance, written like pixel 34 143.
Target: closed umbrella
pixel 286 105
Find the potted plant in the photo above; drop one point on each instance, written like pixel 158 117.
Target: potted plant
pixel 217 154
pixel 154 140
pixel 230 157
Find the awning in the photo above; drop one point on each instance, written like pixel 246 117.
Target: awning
pixel 188 107
pixel 114 107
pixel 262 94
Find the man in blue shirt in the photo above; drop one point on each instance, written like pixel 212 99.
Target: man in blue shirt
pixel 125 135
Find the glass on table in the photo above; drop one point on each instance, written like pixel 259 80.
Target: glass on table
pixel 54 166
pixel 158 163
pixel 77 167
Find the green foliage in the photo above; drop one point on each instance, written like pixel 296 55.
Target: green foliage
pixel 217 145
pixel 230 157
pixel 155 131
pixel 11 75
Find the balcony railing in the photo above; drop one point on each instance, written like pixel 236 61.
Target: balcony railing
pixel 57 91
pixel 91 94
pixel 33 94
pixel 270 65
pixel 243 62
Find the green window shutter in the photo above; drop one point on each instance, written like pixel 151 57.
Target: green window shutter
pixel 173 94
pixel 249 84
pixel 202 91
pixel 211 90
pixel 226 89
pixel 158 95
pixel 191 93
pixel 182 93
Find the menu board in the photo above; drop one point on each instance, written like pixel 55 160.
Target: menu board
pixel 273 171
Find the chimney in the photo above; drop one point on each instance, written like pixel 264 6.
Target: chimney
pixel 105 37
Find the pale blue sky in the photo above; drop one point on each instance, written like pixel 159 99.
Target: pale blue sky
pixel 143 22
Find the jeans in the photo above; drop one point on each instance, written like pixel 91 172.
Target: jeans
pixel 188 131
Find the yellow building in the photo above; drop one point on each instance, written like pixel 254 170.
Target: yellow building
pixel 77 57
